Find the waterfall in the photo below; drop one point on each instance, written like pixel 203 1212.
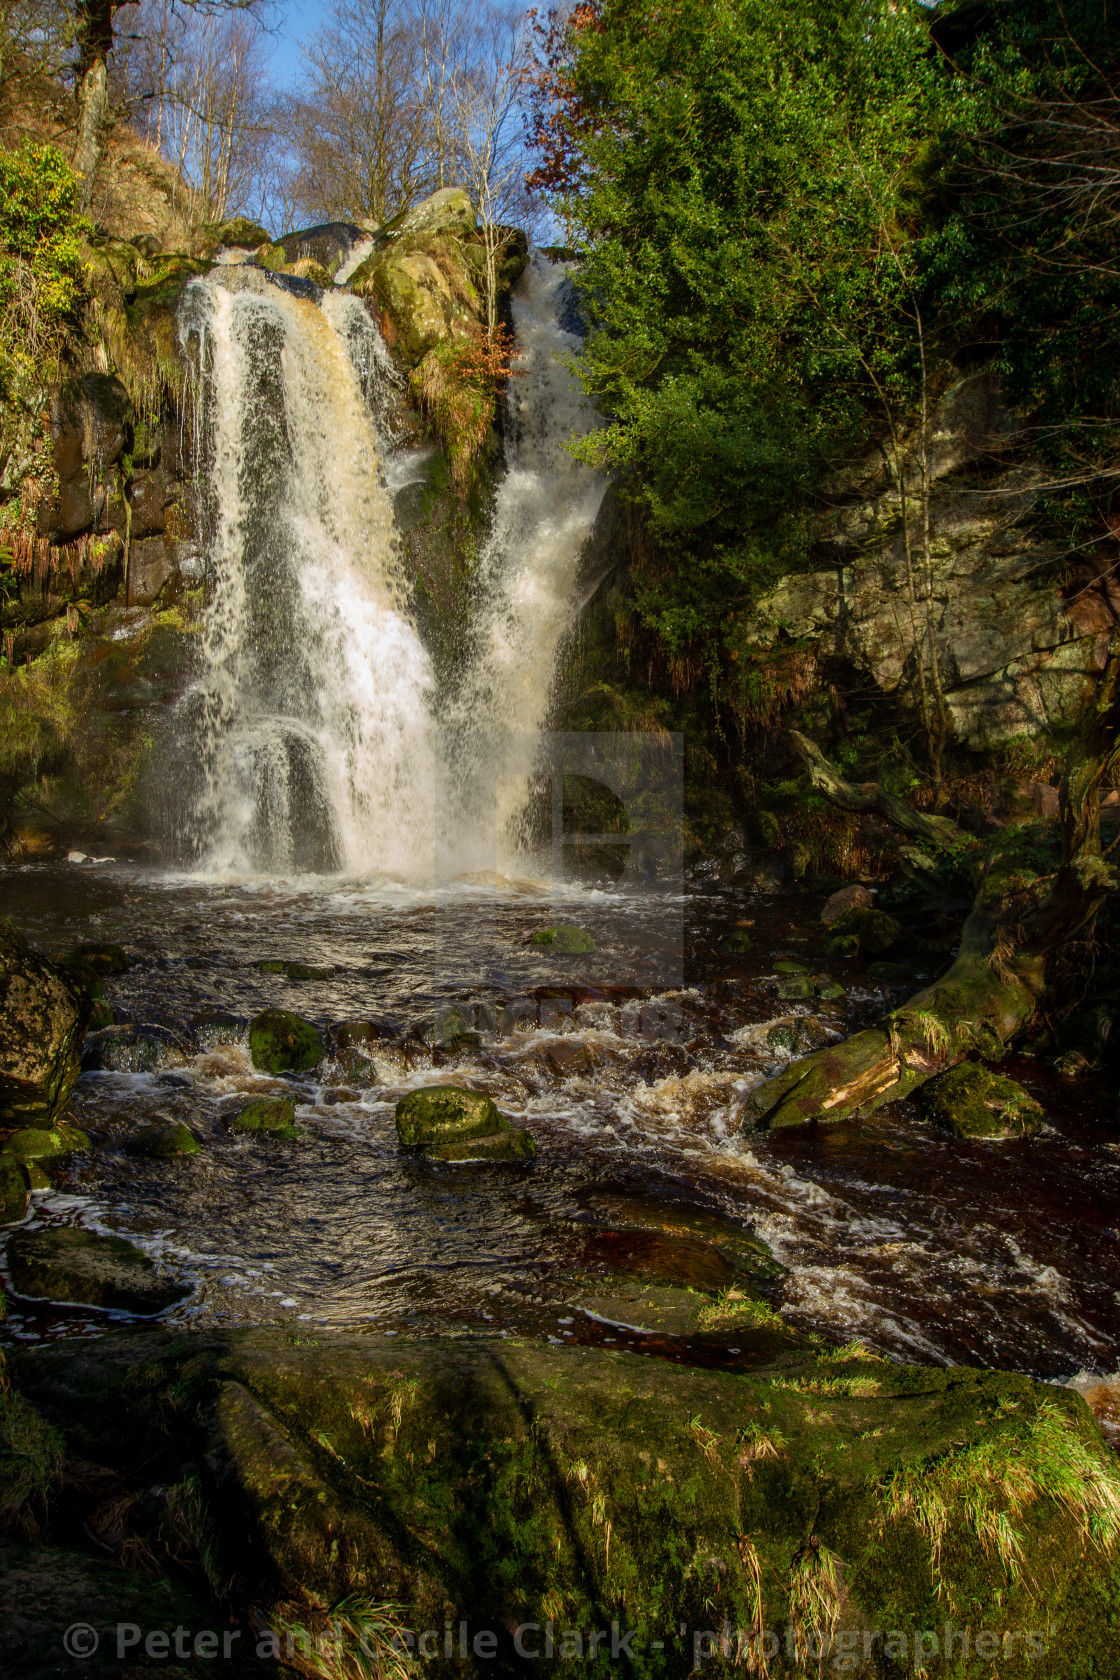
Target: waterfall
pixel 310 716
pixel 528 581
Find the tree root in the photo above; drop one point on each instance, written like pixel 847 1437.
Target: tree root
pixel 987 997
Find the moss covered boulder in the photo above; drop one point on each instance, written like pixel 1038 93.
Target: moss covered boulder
pixel 163 1140
pixel 14 1190
pixel 446 1114
pixel 707 1516
pixel 281 1042
pixel 272 1116
pixel 564 941
pixel 88 1269
pixel 870 932
pixel 39 1143
pixel 736 943
pixel 43 1016
pixel 974 1102
pixel 510 1144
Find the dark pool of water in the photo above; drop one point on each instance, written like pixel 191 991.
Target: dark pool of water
pixel 920 1245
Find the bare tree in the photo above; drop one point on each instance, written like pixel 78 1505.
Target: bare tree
pixel 487 129
pixel 358 123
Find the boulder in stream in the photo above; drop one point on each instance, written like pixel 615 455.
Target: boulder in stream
pixel 974 1102
pixel 509 1483
pixel 282 1042
pixel 43 1016
pixel 449 1123
pixel 85 1268
pixel 273 1116
pixel 163 1140
pixel 870 932
pixel 40 1143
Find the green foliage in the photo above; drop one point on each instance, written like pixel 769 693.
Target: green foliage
pixel 40 253
pixel 31 1455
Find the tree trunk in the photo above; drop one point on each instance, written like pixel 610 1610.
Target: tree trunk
pixel 995 984
pixel 95 41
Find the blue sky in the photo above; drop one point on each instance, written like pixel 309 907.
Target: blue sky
pixel 294 21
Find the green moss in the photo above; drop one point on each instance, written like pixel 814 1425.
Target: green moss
pixel 13 1190
pixel 39 1143
pixel 875 931
pixel 31 1458
pixel 975 1102
pixel 273 1115
pixel 737 943
pixel 446 1114
pixel 564 941
pixel 163 1141
pixel 282 1042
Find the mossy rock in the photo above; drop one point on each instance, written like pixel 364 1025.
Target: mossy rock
pixel 43 1016
pixel 102 958
pixel 37 1143
pixel 441 1114
pixel 788 965
pixel 274 1116
pixel 875 931
pixel 487 1473
pixel 828 989
pixel 101 1016
pixel 793 986
pixel 512 1144
pixel 844 945
pixel 281 1042
pixel 88 1269
pixel 14 1190
pixel 163 1141
pixel 308 971
pixel 272 965
pixel 736 943
pixel 564 941
pixel 974 1102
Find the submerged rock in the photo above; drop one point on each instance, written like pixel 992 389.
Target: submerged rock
pixel 737 943
pixel 975 1102
pixel 510 1144
pixel 103 958
pixel 134 1049
pixel 281 1042
pixel 272 1115
pixel 481 1473
pixel 90 1270
pixel 43 1016
pixel 564 941
pixel 163 1140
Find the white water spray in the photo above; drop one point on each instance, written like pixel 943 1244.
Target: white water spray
pixel 528 578
pixel 312 706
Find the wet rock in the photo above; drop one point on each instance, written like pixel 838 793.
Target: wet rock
pixel 791 986
pixel 88 1269
pixel 974 1102
pixel 347 1035
pixel 43 1016
pixel 282 1042
pixel 134 1049
pixel 737 943
pixel 271 965
pixel 848 898
pixel 829 990
pixel 874 931
pixel 446 1114
pixel 512 1144
pixel 163 1141
pixel 14 1190
pixel 103 958
pixel 568 1056
pixel 564 941
pixel 684 1244
pixel 788 965
pixel 451 1029
pixel 37 1143
pixel 309 971
pixel 274 1116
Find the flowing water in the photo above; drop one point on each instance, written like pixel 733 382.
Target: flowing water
pixel 317 737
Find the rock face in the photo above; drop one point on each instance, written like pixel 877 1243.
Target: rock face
pixel 425 274
pixel 88 1269
pixel 43 1015
pixel 1016 656
pixel 513 1484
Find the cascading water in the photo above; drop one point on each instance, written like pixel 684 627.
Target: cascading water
pixel 528 582
pixel 311 711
